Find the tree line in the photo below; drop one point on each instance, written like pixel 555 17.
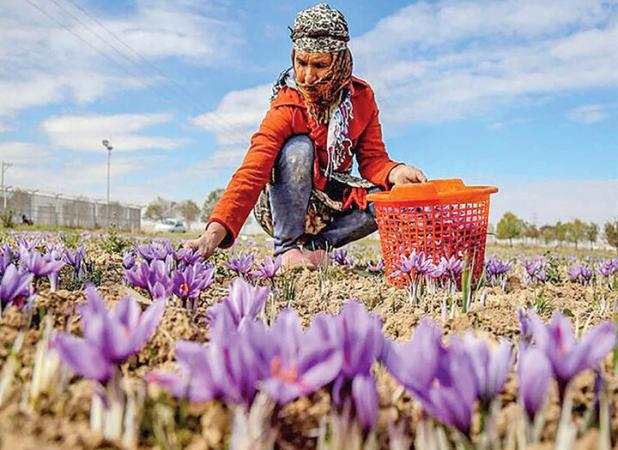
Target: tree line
pixel 161 208
pixel 575 232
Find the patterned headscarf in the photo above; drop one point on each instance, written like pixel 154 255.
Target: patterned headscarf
pixel 320 29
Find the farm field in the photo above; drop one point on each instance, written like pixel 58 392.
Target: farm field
pixel 234 353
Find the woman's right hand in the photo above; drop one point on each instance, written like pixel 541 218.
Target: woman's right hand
pixel 210 239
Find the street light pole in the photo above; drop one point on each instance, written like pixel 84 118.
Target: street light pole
pixel 109 148
pixel 5 166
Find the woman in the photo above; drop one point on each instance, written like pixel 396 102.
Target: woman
pixel 296 175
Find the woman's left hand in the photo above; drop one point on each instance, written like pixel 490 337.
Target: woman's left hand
pixel 404 174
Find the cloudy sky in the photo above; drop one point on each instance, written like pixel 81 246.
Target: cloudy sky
pixel 520 94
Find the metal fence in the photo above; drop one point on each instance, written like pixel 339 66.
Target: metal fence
pixel 64 211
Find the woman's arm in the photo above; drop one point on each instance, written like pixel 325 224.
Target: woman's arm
pixel 242 192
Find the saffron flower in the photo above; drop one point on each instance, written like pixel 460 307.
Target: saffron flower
pixel 190 282
pixel 340 257
pixel 152 277
pixel 376 267
pixel 300 362
pixel 496 271
pixel 243 303
pixel 242 264
pixel 128 260
pixel 186 257
pixel 358 334
pixel 194 381
pixel 155 251
pixel 568 357
pixel 37 264
pixel 414 363
pixel 269 268
pixel 7 256
pixel 15 287
pixel 76 260
pixel 536 270
pixel 534 373
pixel 228 368
pixel 452 399
pixel 109 337
pixel 490 368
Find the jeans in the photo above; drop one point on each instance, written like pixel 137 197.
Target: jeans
pixel 289 198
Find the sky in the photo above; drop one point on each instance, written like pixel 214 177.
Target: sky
pixel 521 94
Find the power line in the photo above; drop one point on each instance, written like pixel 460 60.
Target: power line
pixel 229 130
pixel 219 122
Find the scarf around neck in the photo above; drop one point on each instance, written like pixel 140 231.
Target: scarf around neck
pixel 338 144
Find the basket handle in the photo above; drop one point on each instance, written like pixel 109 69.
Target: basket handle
pixel 426 191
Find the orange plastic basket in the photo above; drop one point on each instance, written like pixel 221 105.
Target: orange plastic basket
pixel 439 218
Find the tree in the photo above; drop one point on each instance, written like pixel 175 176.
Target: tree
pixel 560 231
pixel 592 233
pixel 575 231
pixel 209 204
pixel 530 231
pixel 549 233
pixel 189 211
pixel 611 233
pixel 510 227
pixel 159 209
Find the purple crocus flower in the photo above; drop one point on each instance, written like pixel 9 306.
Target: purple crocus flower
pixel 76 260
pixel 154 251
pixel 536 269
pixel 228 368
pixel 606 268
pixel 455 268
pixel 39 265
pixel 300 362
pixel 194 381
pixel 243 303
pixel 568 357
pixel 109 337
pixel 128 260
pixel 14 287
pixel 452 399
pixel 587 273
pixel 376 267
pixel 442 379
pixel 340 257
pixel 190 282
pixel 496 271
pixel 7 256
pixel 490 368
pixel 242 264
pixel 152 277
pixel 534 373
pixel 269 268
pixel 186 257
pixel 358 335
pixel 414 363
pixel 574 272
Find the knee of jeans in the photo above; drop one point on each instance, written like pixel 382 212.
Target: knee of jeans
pixel 297 156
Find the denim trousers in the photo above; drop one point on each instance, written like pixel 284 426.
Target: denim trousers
pixel 289 200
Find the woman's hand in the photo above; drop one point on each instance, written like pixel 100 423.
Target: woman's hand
pixel 404 174
pixel 210 239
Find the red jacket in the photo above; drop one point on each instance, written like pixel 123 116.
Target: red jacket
pixel 287 117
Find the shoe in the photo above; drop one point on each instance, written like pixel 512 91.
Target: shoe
pixel 319 258
pixel 295 258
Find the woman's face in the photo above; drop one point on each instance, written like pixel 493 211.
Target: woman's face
pixel 311 67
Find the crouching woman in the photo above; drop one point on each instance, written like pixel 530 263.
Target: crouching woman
pixel 296 175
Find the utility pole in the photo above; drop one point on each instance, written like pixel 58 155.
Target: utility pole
pixel 109 148
pixel 5 167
